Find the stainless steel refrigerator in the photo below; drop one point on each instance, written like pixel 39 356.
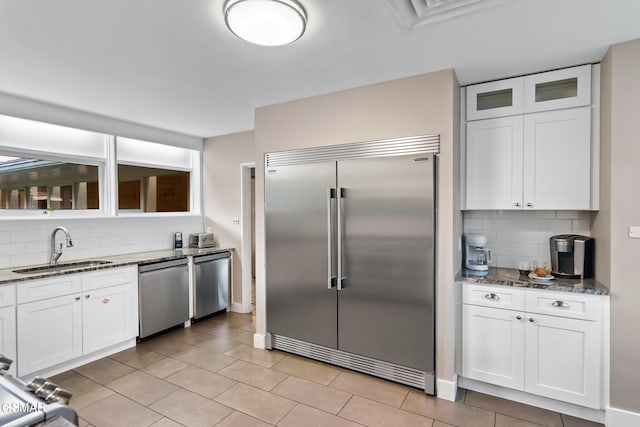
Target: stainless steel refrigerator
pixel 350 256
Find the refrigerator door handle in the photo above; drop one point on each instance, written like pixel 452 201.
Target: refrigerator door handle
pixel 331 277
pixel 340 197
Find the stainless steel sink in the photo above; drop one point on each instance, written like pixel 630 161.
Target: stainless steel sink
pixel 62 266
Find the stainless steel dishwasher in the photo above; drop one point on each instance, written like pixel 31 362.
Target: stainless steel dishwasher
pixel 163 295
pixel 213 273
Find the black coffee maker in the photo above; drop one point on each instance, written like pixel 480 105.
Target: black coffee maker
pixel 572 256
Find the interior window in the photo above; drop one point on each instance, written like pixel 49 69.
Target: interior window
pixel 144 189
pixel 40 184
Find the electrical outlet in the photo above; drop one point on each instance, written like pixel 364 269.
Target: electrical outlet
pixel 236 221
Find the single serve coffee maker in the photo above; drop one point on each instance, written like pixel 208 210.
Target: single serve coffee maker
pixel 572 256
pixel 477 257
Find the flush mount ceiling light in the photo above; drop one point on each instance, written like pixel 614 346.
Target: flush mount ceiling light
pixel 266 22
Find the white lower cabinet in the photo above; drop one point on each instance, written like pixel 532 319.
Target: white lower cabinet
pixel 517 346
pixel 562 359
pixel 8 334
pixel 49 332
pixel 96 313
pixel 106 317
pixel 493 346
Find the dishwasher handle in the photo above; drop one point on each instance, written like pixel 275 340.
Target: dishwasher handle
pixel 144 268
pixel 205 258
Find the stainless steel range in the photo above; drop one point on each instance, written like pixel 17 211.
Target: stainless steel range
pixel 33 404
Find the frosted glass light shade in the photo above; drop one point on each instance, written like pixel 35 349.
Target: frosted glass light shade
pixel 265 22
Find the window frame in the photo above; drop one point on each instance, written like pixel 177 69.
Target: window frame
pixel 134 212
pixel 107 180
pixel 195 180
pixel 100 163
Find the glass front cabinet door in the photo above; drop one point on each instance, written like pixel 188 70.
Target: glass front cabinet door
pixel 495 99
pixel 553 90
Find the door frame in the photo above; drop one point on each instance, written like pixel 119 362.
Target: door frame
pixel 245 234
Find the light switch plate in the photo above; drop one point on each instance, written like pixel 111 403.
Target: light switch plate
pixel 634 232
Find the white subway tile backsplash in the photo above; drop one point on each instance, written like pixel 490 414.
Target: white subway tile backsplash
pixel 5 262
pixel 522 249
pixel 523 224
pixel 580 226
pixel 11 226
pixel 515 214
pixel 38 247
pixel 5 237
pixel 27 236
pixel 573 214
pixel 539 214
pixel 479 214
pixel 12 249
pixel 25 259
pixel 473 224
pixel 557 226
pixel 24 242
pixel 515 236
pixel 544 251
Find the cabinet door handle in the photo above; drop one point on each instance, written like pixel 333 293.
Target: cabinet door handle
pixel 492 297
pixel 77 298
pixel 560 304
pixel 531 319
pixel 517 204
pixel 529 205
pixel 519 317
pixel 87 296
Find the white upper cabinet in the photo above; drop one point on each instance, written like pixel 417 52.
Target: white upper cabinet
pixel 494 163
pixel 495 99
pixel 544 154
pixel 553 90
pixel 557 159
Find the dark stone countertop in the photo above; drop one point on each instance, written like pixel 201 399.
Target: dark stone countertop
pixel 512 277
pixel 7 275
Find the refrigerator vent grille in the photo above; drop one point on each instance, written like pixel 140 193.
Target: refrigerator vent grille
pixel 401 374
pixel 383 148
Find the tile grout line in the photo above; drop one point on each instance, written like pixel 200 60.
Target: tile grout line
pixel 404 399
pixel 288 412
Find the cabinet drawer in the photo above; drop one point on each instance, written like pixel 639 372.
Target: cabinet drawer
pixel 108 277
pixel 576 306
pixel 493 296
pixel 38 289
pixel 7 295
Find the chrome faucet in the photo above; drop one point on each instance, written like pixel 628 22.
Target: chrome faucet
pixel 55 254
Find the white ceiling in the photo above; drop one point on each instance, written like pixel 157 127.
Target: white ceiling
pixel 173 65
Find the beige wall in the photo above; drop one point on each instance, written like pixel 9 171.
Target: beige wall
pixel 617 254
pixel 424 104
pixel 222 157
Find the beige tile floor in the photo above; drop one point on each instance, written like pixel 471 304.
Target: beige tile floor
pixel 209 374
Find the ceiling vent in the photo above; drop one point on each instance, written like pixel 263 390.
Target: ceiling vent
pixel 415 13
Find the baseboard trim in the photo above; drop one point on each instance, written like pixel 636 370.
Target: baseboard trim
pixel 590 414
pixel 447 390
pixel 620 418
pixel 237 307
pixel 79 361
pixel 259 341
